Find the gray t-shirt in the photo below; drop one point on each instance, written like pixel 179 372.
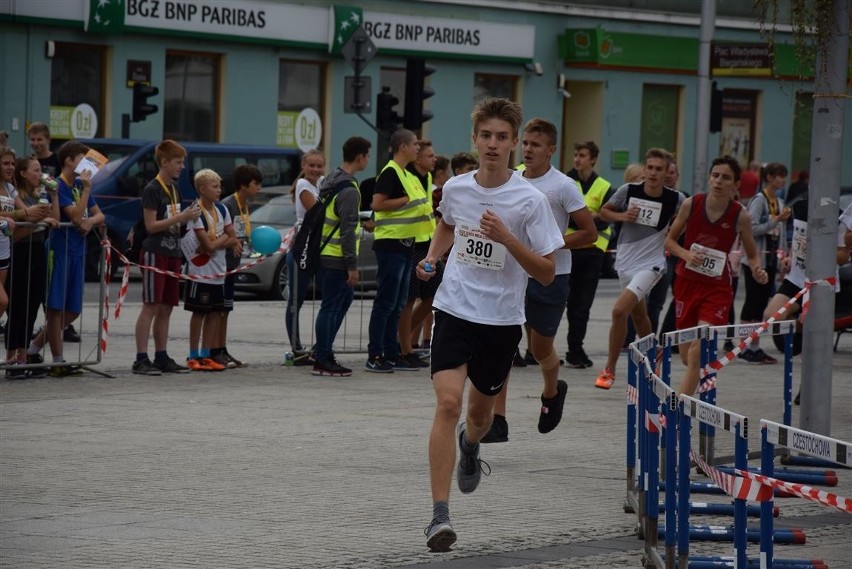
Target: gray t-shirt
pixel 166 242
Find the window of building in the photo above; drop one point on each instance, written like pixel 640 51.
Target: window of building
pixel 77 82
pixel 660 111
pixel 486 85
pixel 191 97
pixel 739 110
pixel 803 116
pixel 301 85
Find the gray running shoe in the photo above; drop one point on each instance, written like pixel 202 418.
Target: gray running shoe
pixel 440 535
pixel 471 467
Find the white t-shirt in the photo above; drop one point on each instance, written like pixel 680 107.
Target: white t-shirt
pixel 7 204
pixel 564 198
pixel 641 247
pixel 303 185
pixel 799 247
pixel 214 263
pixel 482 282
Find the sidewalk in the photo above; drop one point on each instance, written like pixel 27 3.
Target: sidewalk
pixel 268 466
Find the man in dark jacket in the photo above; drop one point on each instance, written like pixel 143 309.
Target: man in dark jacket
pixel 338 266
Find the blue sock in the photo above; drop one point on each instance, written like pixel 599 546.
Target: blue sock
pixel 193 354
pixel 141 356
pixel 204 352
pixel 161 356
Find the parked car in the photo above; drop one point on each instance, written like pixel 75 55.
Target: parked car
pixel 118 186
pixel 270 278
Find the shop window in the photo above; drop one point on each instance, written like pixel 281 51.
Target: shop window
pixel 301 85
pixel 191 97
pixel 486 85
pixel 739 111
pixel 77 108
pixel 803 117
pixel 660 110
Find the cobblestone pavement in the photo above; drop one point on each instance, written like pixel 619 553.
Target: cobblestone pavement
pixel 268 466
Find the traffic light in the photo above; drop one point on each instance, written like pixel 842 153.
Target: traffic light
pixel 416 93
pixel 387 119
pixel 715 109
pixel 141 107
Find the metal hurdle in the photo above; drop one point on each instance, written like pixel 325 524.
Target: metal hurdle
pixel 818 446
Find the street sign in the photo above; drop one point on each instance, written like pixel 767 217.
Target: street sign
pixel 359 50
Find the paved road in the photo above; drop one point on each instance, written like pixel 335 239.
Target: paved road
pixel 269 466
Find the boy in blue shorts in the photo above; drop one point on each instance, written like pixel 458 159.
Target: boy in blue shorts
pixel 66 259
pixel 204 246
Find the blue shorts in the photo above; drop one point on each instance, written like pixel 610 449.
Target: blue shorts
pixel 544 304
pixel 65 280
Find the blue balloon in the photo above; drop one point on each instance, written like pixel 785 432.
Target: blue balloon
pixel 265 240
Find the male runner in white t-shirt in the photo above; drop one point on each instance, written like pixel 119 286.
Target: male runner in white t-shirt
pixel 544 303
pixel 502 230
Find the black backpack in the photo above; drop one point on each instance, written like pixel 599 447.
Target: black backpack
pixel 308 243
pixel 137 234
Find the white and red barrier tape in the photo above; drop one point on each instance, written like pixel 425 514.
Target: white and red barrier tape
pixel 800 490
pixel 125 278
pixel 734 486
pixel 713 367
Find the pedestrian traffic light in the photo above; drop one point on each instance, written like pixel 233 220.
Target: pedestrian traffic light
pixel 416 93
pixel 387 119
pixel 141 107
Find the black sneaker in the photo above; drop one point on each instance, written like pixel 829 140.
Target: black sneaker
pixel 499 431
pixel 303 358
pixel 471 467
pixel 551 409
pixel 12 371
pixel 36 372
pixel 145 367
pixel 518 361
pixel 233 359
pixel 798 399
pixel 574 360
pixel 403 363
pixel 70 334
pixel 529 359
pixel 757 357
pixel 378 364
pixel 414 360
pixel 330 367
pixel 168 365
pixel 729 346
pixel 440 535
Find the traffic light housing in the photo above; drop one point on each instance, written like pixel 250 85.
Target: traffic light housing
pixel 141 107
pixel 387 119
pixel 715 109
pixel 416 93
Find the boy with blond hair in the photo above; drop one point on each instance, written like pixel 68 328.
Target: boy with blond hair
pixel 205 242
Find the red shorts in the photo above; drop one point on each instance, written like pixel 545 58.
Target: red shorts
pixel 156 287
pixel 697 302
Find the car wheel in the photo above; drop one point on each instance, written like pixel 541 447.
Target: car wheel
pixel 281 282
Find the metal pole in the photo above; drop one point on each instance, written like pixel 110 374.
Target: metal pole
pixel 826 155
pixel 703 88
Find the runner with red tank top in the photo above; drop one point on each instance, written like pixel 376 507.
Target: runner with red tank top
pixel 703 293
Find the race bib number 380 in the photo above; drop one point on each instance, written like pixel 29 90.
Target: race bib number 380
pixel 473 248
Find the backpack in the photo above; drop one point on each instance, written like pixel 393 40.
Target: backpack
pixel 137 234
pixel 308 243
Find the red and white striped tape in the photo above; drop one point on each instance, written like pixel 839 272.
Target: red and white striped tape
pixel 105 320
pixel 734 486
pixel 125 280
pixel 713 367
pixel 800 490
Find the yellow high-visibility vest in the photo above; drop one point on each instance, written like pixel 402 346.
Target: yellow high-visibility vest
pixel 333 248
pixel 594 201
pixel 411 220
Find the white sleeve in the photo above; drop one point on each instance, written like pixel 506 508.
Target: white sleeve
pixel 543 233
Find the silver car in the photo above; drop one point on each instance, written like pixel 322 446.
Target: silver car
pixel 270 278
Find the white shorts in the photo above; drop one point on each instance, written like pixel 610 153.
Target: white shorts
pixel 641 282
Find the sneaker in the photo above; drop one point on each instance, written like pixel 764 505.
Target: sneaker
pixel 499 431
pixel 64 371
pixel 551 409
pixel 729 346
pixel 212 364
pixel 168 365
pixel 426 344
pixel 414 360
pixel 518 361
pixel 70 334
pixel 36 372
pixel 13 373
pixel 796 401
pixel 586 361
pixel 757 357
pixel 605 379
pixel 471 467
pixel 197 364
pixel 378 364
pixel 223 360
pixel 233 359
pixel 330 367
pixel 440 535
pixel 529 359
pixel 303 358
pixel 574 360
pixel 145 367
pixel 403 363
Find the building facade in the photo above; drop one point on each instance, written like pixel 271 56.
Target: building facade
pixel 275 73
